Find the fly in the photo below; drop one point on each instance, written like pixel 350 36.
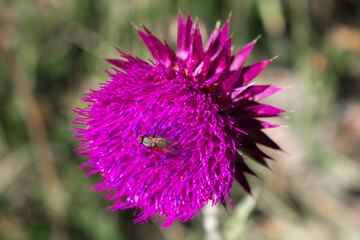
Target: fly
pixel 151 142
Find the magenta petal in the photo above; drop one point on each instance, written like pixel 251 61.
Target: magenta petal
pixel 254 109
pixel 229 79
pixel 204 67
pixel 227 47
pixel 157 49
pixel 185 40
pixel 189 32
pixel 224 33
pixel 240 57
pixel 217 42
pixel 221 62
pixel 170 52
pixel 238 92
pixel 212 39
pixel 264 110
pixel 197 49
pixel 248 92
pixel 250 72
pixel 265 124
pixel 129 57
pixel 120 63
pixel 181 38
pixel 216 78
pixel 267 92
pixel 129 63
pixel 254 92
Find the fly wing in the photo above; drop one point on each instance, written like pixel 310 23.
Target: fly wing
pixel 161 142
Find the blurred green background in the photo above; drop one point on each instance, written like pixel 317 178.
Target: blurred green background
pixel 52 52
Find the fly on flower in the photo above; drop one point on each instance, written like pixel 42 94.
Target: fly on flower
pixel 151 142
pixel 200 101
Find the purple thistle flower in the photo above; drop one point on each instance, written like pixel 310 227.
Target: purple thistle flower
pixel 165 136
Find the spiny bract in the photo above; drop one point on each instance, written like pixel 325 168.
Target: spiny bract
pixel 198 103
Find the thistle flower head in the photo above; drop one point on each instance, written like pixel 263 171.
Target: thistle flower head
pixel 165 135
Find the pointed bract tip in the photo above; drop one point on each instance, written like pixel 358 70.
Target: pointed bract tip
pixel 134 25
pixel 196 18
pixel 229 17
pixel 276 86
pixel 274 58
pixel 286 87
pixel 256 39
pixel 146 30
pixel 122 54
pixel 114 47
pixel 217 25
pixel 285 117
pixel 188 15
pixel 163 38
pixel 180 16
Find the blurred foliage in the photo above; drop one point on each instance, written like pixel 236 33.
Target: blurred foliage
pixel 51 54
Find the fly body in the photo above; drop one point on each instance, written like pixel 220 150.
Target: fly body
pixel 151 142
